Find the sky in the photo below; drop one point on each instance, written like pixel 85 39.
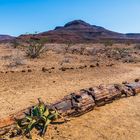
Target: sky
pixel 28 16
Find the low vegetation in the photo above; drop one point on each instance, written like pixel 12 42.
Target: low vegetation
pixel 16 60
pixel 137 46
pixel 108 43
pixel 39 117
pixel 35 47
pixel 15 43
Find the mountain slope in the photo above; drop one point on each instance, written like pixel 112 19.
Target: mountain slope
pixel 78 31
pixel 6 37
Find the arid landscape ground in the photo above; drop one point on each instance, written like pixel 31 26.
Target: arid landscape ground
pixel 63 69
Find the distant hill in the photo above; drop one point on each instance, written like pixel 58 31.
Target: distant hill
pixel 78 31
pixel 133 35
pixel 6 37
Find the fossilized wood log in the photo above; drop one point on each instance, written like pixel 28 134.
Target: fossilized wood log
pixel 85 100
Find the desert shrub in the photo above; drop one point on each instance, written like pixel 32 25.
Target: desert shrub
pixel 67 47
pixel 128 43
pixel 108 43
pixel 35 47
pixel 43 40
pixel 39 117
pixel 16 59
pixel 82 50
pixel 137 46
pixel 15 43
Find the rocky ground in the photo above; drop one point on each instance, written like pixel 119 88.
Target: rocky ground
pixel 64 69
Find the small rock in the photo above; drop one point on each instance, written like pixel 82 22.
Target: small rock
pixel 92 66
pixel 137 80
pixel 63 69
pixel 124 82
pixel 110 65
pixel 29 70
pixel 97 64
pixel 53 68
pixel 23 71
pixel 44 69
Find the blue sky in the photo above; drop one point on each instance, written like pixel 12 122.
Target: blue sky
pixel 21 16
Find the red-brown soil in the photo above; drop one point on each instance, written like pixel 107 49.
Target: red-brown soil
pixel 21 88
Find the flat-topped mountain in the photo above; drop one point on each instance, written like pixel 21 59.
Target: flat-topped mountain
pixel 78 31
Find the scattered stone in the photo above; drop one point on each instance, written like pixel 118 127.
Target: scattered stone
pixel 97 64
pixel 12 71
pixel 62 69
pixel 55 128
pixel 110 65
pixel 29 70
pixel 81 67
pixel 92 66
pixel 4 132
pixel 44 69
pixel 137 80
pixel 124 82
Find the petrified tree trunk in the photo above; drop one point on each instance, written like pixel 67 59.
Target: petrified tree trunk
pixel 85 100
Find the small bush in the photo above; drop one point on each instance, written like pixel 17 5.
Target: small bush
pixel 16 59
pixel 39 117
pixel 137 46
pixel 15 43
pixel 108 43
pixel 128 43
pixel 35 48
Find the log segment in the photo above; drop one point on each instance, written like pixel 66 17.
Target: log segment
pixel 76 104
